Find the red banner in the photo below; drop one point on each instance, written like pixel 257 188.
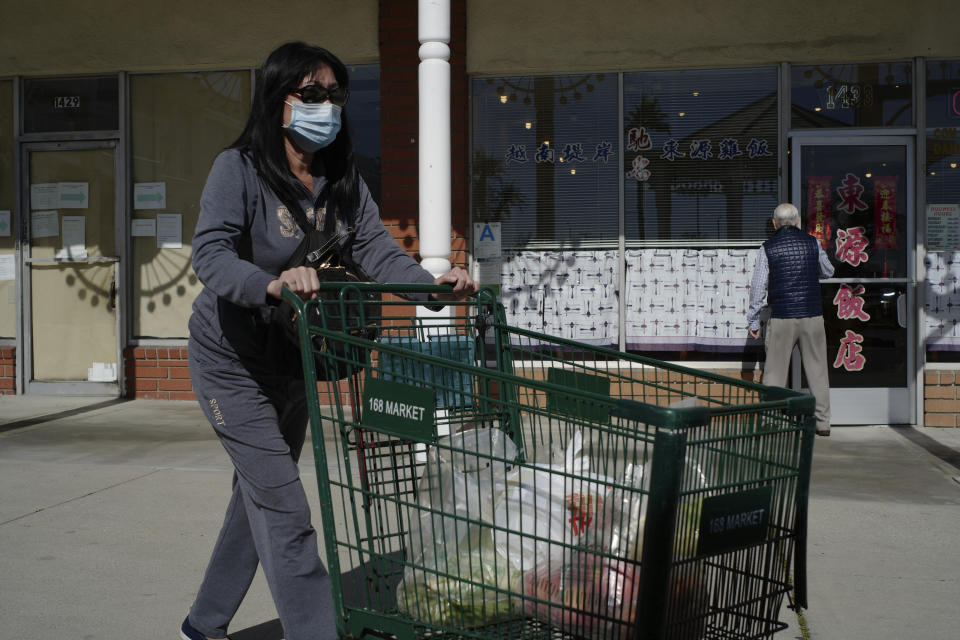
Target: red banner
pixel 885 212
pixel 818 208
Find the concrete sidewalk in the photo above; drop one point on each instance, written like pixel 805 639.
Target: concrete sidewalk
pixel 109 509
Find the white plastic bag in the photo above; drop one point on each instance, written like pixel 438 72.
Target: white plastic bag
pixel 455 576
pixel 547 510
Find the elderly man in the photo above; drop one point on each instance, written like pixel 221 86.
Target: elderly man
pixel 788 271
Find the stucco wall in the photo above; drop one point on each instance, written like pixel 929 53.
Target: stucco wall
pixel 506 36
pixel 90 36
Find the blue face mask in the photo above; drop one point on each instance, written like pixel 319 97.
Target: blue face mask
pixel 313 126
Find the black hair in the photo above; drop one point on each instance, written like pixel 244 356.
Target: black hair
pixel 263 140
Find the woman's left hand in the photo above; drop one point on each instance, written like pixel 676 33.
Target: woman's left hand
pixel 463 285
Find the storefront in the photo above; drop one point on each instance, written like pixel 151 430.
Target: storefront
pixel 614 176
pixel 629 208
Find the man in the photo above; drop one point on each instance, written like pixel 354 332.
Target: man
pixel 787 271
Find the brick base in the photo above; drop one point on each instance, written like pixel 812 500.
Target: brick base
pixel 941 399
pixel 8 370
pixel 159 373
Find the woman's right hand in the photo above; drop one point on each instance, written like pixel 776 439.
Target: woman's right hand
pixel 303 281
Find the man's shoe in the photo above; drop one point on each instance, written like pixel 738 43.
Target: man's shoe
pixel 823 432
pixel 187 632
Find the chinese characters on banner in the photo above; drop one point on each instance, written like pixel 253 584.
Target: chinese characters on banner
pixel 818 206
pixel 885 212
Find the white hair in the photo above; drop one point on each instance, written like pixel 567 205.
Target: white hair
pixel 786 214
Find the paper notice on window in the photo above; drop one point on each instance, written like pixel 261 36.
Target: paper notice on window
pixel 74 238
pixel 943 227
pixel 44 195
pixel 169 231
pixel 150 195
pixel 73 195
pixel 487 273
pixel 8 267
pixel 143 227
pixel 5 223
pixel 44 224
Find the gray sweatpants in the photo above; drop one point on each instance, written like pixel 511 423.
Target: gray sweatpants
pixel 808 333
pixel 262 425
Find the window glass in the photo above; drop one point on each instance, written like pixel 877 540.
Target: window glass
pixel 943 125
pixel 363 112
pixel 8 234
pixel 545 158
pixel 71 104
pixel 700 154
pixel 943 211
pixel 179 123
pixel 868 94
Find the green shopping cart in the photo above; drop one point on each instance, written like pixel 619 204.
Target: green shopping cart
pixel 479 480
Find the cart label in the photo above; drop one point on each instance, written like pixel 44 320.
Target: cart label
pixel 399 410
pixel 574 406
pixel 734 521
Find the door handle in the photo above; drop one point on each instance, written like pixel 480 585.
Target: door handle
pixel 902 310
pixel 112 302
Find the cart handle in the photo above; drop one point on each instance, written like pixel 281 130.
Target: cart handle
pixel 397 288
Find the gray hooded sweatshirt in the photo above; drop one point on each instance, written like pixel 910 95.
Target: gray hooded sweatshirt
pixel 244 238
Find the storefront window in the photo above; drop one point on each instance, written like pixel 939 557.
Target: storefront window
pixel 867 94
pixel 943 211
pixel 8 284
pixel 363 111
pixel 700 155
pixel 71 104
pixel 179 123
pixel 545 159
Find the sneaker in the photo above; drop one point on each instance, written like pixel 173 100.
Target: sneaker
pixel 187 632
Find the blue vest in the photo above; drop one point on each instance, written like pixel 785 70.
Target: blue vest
pixel 793 290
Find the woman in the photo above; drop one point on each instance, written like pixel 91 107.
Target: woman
pixel 295 151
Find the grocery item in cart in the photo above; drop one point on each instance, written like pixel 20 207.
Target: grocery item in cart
pixel 595 597
pixel 547 510
pixel 454 575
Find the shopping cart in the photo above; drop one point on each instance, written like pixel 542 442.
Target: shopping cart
pixel 478 480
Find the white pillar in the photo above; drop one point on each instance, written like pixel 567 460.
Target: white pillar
pixel 433 27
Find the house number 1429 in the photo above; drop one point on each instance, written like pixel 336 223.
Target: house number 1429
pixel 66 102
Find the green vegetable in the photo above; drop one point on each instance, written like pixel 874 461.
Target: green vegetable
pixel 468 588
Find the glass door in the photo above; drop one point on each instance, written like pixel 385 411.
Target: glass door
pixel 856 197
pixel 71 267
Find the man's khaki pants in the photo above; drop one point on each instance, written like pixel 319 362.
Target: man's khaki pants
pixel 808 333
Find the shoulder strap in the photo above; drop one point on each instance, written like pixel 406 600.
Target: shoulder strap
pixel 301 217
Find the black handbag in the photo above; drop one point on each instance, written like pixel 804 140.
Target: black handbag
pixel 343 310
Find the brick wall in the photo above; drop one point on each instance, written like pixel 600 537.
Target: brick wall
pixel 941 399
pixel 8 370
pixel 157 373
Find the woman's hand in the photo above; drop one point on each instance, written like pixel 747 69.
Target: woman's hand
pixel 303 281
pixel 463 285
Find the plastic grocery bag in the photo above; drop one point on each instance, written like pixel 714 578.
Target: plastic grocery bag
pixel 548 510
pixel 626 511
pixel 455 576
pixel 596 597
pixel 592 590
pixel 592 596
